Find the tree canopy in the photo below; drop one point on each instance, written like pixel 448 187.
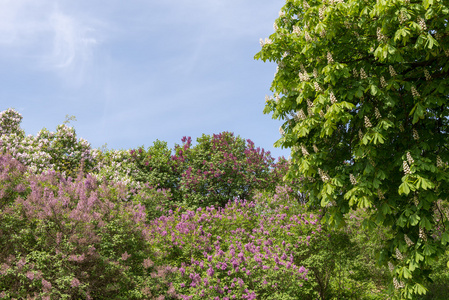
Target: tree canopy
pixel 363 86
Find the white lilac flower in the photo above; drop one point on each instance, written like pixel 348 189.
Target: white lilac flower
pixel 405 167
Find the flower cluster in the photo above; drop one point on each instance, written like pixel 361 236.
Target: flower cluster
pixel 392 71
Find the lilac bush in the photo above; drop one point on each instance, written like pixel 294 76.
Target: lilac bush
pixel 60 150
pixel 246 250
pixel 73 239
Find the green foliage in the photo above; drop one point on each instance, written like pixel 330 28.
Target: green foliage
pixel 371 101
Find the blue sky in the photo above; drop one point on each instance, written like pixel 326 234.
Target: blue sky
pixel 135 71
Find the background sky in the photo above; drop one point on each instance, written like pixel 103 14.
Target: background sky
pixel 135 71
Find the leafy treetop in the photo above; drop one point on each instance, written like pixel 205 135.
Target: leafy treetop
pixel 362 86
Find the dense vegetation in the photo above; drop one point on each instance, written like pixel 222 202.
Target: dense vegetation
pixel 212 220
pixel 362 88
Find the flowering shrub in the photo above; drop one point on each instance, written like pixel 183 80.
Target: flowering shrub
pixel 60 150
pixel 73 239
pixel 246 250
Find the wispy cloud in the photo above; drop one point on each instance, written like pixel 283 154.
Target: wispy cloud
pixel 47 37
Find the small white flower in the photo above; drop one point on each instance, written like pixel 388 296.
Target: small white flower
pixel 296 29
pixel 309 103
pixel 422 234
pixel 427 74
pixel 315 148
pixel 352 179
pixel 390 266
pixel 408 241
pixel 410 159
pixel 301 114
pixel 354 71
pixel 367 122
pixel 333 98
pixel 415 134
pixel 383 83
pixel 399 254
pixel 392 71
pixel 329 58
pixel 377 113
pixel 307 37
pixel 304 150
pixel 317 87
pixel 281 130
pixel 305 5
pixel 405 167
pixel 380 194
pixel 422 23
pixel 363 74
pixel 321 12
pixel 415 93
pixel 439 162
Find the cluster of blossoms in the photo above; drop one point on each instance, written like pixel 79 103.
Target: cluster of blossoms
pixel 427 74
pixel 410 159
pixel 380 36
pixel 333 98
pixel 60 150
pixel 398 284
pixel 405 167
pixel 367 122
pixel 323 175
pixel 383 83
pixel 352 179
pixel 415 134
pixel 363 74
pixel 422 24
pixel 415 93
pixel 267 41
pixel 377 113
pixel 392 71
pixel 408 241
pixel 246 260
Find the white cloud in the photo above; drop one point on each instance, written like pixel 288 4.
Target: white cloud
pixel 43 35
